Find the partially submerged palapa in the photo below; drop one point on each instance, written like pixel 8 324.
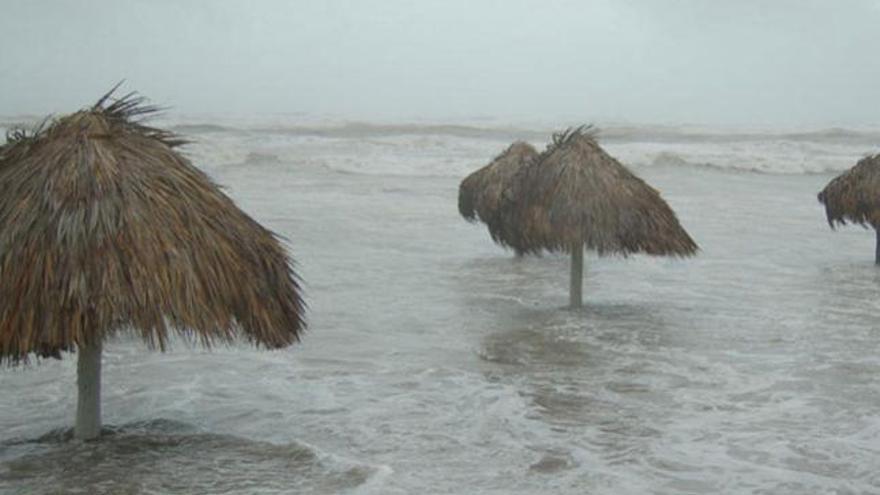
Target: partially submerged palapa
pixel 575 195
pixel 854 196
pixel 105 228
pixel 480 193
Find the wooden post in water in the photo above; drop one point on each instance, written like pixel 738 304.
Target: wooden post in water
pixel 577 276
pixel 88 400
pixel 877 248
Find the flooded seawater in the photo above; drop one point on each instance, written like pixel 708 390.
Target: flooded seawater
pixel 437 363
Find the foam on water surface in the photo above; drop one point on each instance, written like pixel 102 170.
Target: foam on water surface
pixel 436 362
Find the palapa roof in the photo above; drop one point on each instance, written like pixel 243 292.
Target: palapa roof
pixel 576 192
pixel 854 195
pixel 480 193
pixel 106 227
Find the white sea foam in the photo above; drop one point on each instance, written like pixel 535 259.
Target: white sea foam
pixel 437 363
pixel 450 149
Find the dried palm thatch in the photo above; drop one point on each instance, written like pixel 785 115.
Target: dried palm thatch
pixel 854 196
pixel 105 227
pixel 576 195
pixel 480 193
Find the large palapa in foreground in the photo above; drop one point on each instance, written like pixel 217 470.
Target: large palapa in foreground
pixel 105 227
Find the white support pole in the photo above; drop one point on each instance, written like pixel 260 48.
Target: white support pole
pixel 88 402
pixel 577 276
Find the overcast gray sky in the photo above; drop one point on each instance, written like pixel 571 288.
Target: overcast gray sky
pixel 744 62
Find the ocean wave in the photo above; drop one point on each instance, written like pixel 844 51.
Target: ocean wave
pixel 500 129
pixel 201 128
pixel 671 159
pixel 363 130
pixel 538 132
pixel 454 157
pixel 456 149
pixel 713 135
pixel 770 157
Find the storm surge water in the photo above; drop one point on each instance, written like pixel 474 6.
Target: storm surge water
pixel 435 362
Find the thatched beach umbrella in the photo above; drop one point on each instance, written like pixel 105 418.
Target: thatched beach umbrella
pixel 480 193
pixel 854 196
pixel 105 228
pixel 575 195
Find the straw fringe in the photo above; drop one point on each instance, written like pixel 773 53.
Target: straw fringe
pixel 574 193
pixel 104 227
pixel 853 195
pixel 480 193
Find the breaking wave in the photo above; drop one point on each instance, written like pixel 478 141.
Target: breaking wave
pixel 455 149
pixel 610 133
